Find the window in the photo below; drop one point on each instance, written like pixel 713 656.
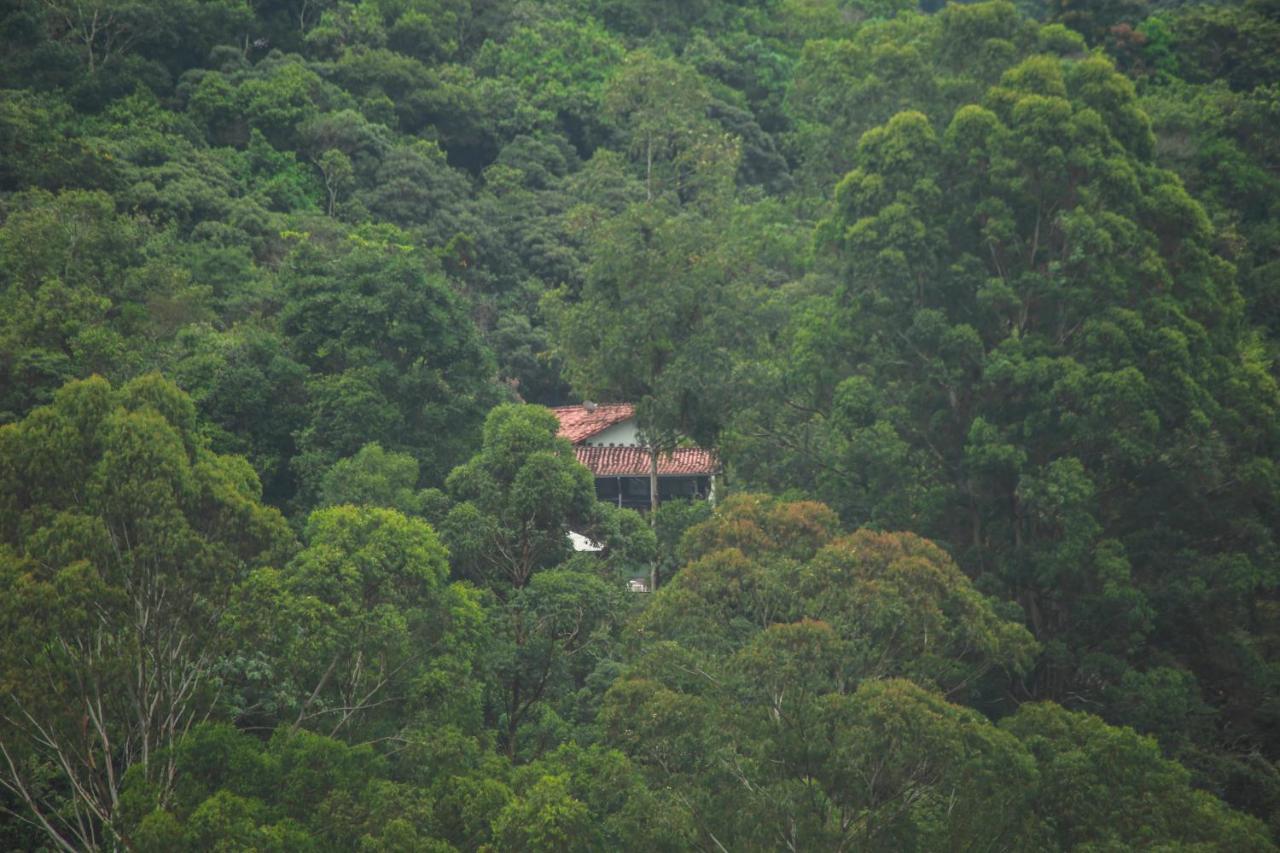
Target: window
pixel 636 488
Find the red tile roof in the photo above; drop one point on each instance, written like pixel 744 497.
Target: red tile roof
pixel 634 461
pixel 578 424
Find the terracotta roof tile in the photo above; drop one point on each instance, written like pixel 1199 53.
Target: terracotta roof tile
pixel 634 461
pixel 578 424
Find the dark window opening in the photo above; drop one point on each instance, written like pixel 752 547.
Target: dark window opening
pixel 633 492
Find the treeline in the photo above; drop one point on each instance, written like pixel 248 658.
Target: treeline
pixel 283 559
pixel 182 673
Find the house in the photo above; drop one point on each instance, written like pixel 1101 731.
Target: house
pixel 607 441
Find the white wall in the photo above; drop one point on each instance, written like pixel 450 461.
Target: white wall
pixel 622 434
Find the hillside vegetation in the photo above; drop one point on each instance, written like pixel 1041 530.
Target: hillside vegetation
pixel 979 303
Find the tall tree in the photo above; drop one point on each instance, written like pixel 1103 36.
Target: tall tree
pixel 121 537
pixel 813 677
pixel 360 636
pixel 394 357
pixel 516 503
pixel 1039 358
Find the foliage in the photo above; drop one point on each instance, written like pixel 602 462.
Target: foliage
pixel 297 790
pixel 768 679
pixel 392 355
pixel 993 285
pixel 374 477
pixel 515 504
pixel 122 537
pixel 360 634
pixel 1030 348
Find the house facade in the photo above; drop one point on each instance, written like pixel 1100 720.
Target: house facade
pixel 607 441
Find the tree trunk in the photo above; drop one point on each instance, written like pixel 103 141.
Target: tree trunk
pixel 653 506
pixel 653 479
pixel 648 168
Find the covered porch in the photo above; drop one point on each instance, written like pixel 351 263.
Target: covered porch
pixel 623 474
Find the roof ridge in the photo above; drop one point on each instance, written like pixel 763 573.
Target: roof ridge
pixel 578 423
pixel 599 406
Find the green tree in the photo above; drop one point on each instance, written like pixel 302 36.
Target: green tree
pixel 336 168
pixel 295 790
pixel 662 105
pixel 1034 354
pixel 1104 786
pixel 898 604
pixel 360 635
pixel 549 818
pixel 250 395
pixel 516 502
pixel 393 356
pixel 795 671
pixel 653 323
pixel 102 29
pixel 121 537
pixel 63 260
pixel 374 477
pixel 561 67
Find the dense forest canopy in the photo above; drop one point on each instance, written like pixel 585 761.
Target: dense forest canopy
pixel 978 302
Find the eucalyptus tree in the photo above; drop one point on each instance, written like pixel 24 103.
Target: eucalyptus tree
pixel 360 636
pixel 121 538
pixel 1032 351
pixel 392 354
pixel 797 687
pixel 515 503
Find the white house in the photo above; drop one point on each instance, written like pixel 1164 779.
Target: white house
pixel 607 441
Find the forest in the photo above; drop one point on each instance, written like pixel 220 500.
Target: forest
pixel 978 304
